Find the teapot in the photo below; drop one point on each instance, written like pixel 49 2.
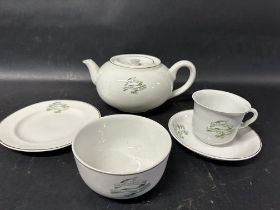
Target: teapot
pixel 137 83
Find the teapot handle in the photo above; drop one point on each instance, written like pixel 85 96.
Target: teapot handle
pixel 174 69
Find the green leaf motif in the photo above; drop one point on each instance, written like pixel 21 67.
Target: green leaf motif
pixel 134 86
pixel 220 128
pixel 130 187
pixel 57 107
pixel 181 131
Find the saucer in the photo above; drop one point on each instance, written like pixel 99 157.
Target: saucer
pixel 246 144
pixel 46 126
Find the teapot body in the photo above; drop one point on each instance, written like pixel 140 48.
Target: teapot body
pixel 137 83
pixel 134 90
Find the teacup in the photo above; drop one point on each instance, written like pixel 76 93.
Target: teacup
pixel 218 115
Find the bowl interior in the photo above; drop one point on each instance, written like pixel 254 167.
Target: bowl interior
pixel 122 144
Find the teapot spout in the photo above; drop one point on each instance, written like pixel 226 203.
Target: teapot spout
pixel 93 69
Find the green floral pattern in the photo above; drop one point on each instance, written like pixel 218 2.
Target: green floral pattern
pixel 130 187
pixel 134 86
pixel 180 131
pixel 57 107
pixel 220 128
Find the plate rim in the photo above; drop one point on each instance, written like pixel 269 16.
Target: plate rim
pixel 5 144
pixel 205 154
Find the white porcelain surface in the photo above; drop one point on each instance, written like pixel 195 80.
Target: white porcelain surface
pixel 218 115
pixel 245 145
pixel 45 126
pixel 137 83
pixel 122 156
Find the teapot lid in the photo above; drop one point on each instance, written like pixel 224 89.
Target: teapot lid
pixel 136 61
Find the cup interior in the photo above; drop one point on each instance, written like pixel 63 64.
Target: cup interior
pixel 221 101
pixel 122 144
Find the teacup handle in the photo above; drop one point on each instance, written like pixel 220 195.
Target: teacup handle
pixel 174 69
pixel 251 120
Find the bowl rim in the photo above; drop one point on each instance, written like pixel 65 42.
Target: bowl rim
pixel 113 173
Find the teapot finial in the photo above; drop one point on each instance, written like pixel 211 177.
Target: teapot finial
pixel 93 69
